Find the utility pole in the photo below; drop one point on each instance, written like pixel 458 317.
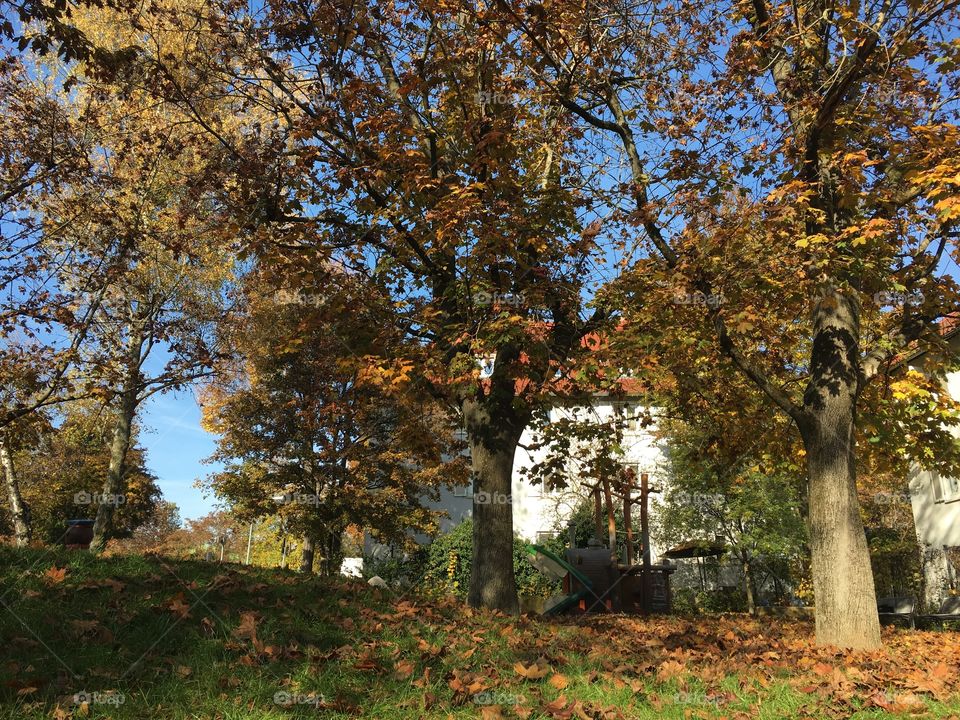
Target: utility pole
pixel 249 543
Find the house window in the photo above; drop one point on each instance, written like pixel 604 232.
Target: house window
pixel 630 415
pixel 463 491
pixel 551 487
pixel 945 489
pixel 951 489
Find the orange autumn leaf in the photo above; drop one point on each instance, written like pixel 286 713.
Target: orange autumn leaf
pixel 178 605
pixel 55 575
pixel 403 670
pixel 247 629
pixel 669 670
pixel 534 671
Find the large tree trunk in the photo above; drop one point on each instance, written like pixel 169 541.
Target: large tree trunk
pixel 113 486
pixel 18 507
pixel 493 439
pixel 844 595
pixel 306 557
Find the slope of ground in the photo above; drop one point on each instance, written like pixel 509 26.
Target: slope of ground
pixel 135 637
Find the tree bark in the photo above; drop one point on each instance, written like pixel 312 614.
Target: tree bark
pixel 748 588
pixel 113 486
pixel 597 514
pixel 844 594
pixel 18 507
pixel 334 554
pixel 306 558
pixel 493 438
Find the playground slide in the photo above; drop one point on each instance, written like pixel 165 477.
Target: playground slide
pixel 557 568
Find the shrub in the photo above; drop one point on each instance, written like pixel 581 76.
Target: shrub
pixel 449 560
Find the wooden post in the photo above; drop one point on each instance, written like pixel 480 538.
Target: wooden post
pixel 611 520
pixel 645 520
pixel 627 519
pixel 646 578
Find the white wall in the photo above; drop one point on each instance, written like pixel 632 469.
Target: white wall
pixel 538 510
pixel 937 518
pixel 936 511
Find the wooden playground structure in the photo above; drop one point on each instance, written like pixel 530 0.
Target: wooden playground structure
pixel 595 578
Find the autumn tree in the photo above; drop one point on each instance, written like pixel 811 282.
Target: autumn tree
pixel 61 465
pixel 51 289
pixel 156 196
pixel 210 533
pixel 152 535
pixel 401 143
pixel 713 489
pixel 314 429
pixel 788 167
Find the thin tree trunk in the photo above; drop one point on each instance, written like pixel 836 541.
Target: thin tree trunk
pixel 306 557
pixel 113 486
pixel 18 507
pixel 493 444
pixel 748 588
pixel 844 594
pixel 597 514
pixel 334 554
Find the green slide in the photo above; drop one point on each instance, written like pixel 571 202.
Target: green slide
pixel 555 567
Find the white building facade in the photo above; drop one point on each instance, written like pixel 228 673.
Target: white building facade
pixel 936 508
pixel 538 511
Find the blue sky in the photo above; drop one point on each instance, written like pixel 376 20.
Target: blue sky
pixel 176 447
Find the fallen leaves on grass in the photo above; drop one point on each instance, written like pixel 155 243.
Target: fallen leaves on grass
pixel 534 671
pixel 403 670
pixel 178 606
pixel 55 575
pixel 447 657
pixel 247 630
pixel 91 630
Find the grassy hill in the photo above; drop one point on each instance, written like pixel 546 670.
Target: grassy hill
pixel 135 637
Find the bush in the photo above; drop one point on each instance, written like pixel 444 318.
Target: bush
pixel 401 570
pixel 449 559
pixel 693 601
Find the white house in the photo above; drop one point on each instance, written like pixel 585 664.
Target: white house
pixel 936 502
pixel 537 511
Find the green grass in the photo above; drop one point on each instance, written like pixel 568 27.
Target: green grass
pixel 168 638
